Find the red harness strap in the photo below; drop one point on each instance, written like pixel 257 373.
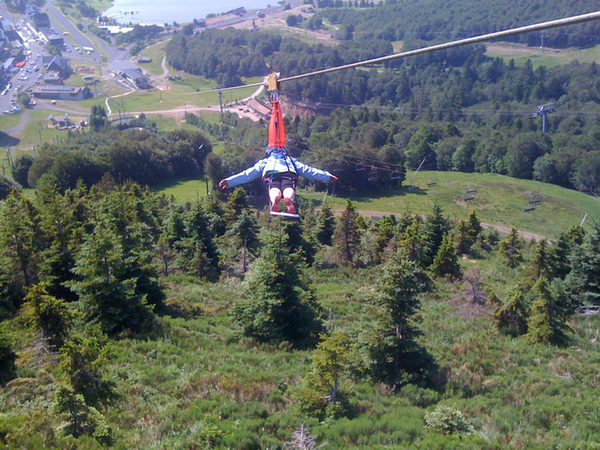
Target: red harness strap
pixel 276 128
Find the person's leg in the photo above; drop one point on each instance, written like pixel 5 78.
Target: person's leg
pixel 289 198
pixel 275 197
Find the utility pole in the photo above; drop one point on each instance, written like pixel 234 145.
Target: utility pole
pixel 544 110
pixel 221 105
pixel 9 158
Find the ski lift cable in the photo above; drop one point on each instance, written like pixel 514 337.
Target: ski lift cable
pixel 368 162
pixel 434 48
pixel 352 159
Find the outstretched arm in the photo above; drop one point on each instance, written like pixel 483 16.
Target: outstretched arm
pixel 314 174
pixel 246 176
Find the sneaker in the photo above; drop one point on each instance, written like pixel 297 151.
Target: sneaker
pixel 290 205
pixel 275 207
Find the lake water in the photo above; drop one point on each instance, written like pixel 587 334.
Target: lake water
pixel 181 11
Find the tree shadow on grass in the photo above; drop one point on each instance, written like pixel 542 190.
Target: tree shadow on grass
pixel 6 140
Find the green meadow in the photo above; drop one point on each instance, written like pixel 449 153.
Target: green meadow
pixel 549 57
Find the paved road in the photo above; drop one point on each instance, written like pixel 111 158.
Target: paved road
pixel 83 40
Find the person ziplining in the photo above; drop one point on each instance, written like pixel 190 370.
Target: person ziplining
pixel 278 169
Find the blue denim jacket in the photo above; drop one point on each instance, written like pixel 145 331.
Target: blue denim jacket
pixel 275 163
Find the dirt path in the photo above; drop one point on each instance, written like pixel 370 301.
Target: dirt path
pixel 164 67
pixel 528 235
pixel 18 129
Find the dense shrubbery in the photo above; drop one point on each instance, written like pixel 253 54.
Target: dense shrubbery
pixel 144 157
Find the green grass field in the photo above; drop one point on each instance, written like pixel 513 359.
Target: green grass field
pixel 181 95
pixel 9 120
pixel 184 190
pixel 549 58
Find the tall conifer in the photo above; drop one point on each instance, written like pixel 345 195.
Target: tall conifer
pixel 278 305
pixel 388 342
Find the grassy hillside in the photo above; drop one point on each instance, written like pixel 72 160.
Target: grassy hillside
pixel 500 200
pixel 549 57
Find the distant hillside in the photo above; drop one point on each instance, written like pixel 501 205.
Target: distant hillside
pixel 431 20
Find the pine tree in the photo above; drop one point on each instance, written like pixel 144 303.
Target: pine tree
pixel 80 418
pixel 462 238
pixel 473 227
pixel 331 360
pixel 323 393
pixel 412 242
pixel 83 359
pixel 435 229
pixel 106 294
pixel 278 304
pixel 325 226
pixel 298 242
pixel 583 282
pixel 561 252
pixel 388 343
pixel 22 242
pixel 511 317
pixel 446 260
pixel 241 240
pixel 346 237
pixel 511 249
pixel 538 265
pixel 547 322
pixel 62 232
pixel 237 202
pixel 199 253
pixel 47 315
pixel 126 211
pixel 215 214
pixel 467 234
pixel 385 232
pixel 171 232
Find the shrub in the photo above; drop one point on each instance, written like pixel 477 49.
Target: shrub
pixel 80 419
pixel 7 185
pixel 448 420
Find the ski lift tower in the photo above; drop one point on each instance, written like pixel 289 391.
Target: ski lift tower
pixel 544 110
